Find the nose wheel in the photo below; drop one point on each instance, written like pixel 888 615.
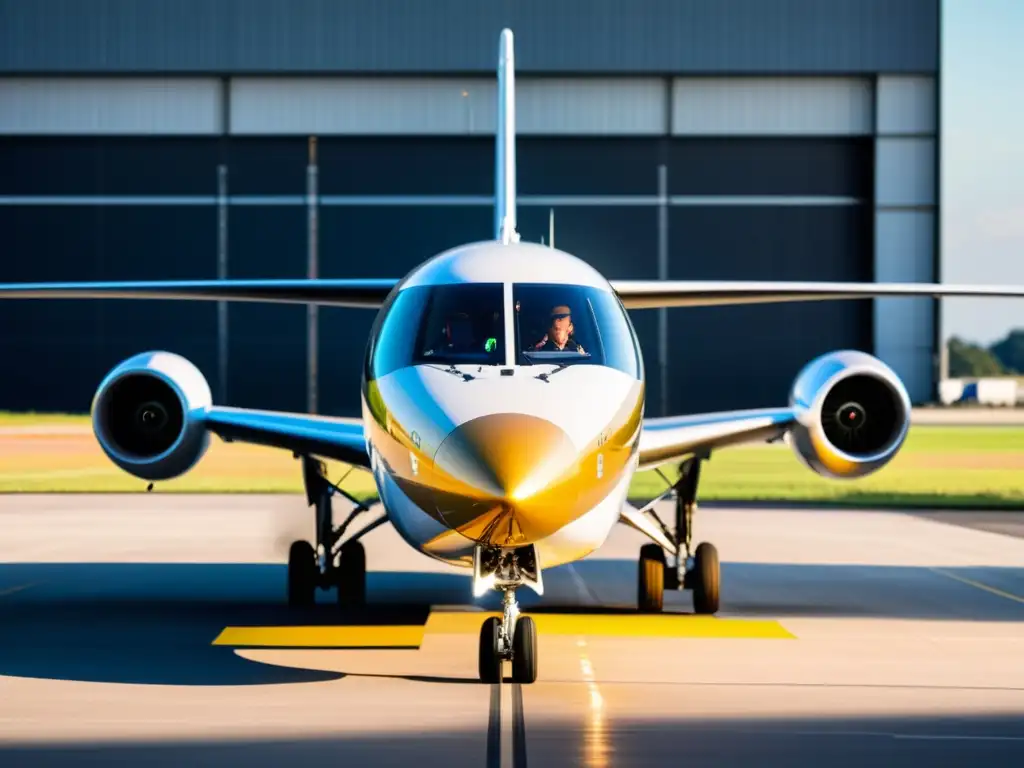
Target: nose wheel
pixel 511 638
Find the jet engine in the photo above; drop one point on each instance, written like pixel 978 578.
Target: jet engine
pixel 853 413
pixel 147 415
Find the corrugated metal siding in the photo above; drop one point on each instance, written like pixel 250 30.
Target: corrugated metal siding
pixel 904 328
pixel 380 106
pixel 904 172
pixel 444 106
pixel 87 106
pixel 591 106
pixel 906 105
pixel 772 106
pixel 554 36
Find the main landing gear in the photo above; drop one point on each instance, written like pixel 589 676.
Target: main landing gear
pixel 697 570
pixel 329 563
pixel 512 637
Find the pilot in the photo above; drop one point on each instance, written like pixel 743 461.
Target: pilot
pixel 559 336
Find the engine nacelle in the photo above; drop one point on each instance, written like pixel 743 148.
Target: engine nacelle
pixel 147 415
pixel 853 414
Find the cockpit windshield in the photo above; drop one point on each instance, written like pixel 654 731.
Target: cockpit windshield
pixel 464 325
pixel 569 325
pixel 444 325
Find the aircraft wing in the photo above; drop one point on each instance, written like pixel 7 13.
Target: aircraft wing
pixel 673 438
pixel 338 293
pixel 371 293
pixel 328 437
pixel 651 294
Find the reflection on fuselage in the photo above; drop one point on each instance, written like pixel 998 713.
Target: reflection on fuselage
pixel 504 411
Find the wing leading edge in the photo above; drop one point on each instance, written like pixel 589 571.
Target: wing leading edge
pixel 325 436
pixel 672 438
pixel 655 294
pixel 369 294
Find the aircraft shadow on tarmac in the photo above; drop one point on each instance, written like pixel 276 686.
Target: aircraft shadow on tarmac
pixel 156 623
pixel 847 741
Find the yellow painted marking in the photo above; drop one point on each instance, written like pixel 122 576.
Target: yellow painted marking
pixel 457 622
pixel 323 637
pixel 664 625
pixel 468 622
pixel 979 585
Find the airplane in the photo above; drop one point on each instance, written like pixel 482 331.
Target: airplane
pixel 502 414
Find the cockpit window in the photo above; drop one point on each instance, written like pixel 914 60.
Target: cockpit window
pixel 442 324
pixel 570 325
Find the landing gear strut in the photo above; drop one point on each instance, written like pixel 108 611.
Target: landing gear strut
pixel 512 637
pixel 696 570
pixel 329 563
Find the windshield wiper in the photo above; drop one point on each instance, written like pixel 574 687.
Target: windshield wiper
pixel 456 372
pixel 559 367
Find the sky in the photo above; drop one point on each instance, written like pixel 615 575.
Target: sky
pixel 982 200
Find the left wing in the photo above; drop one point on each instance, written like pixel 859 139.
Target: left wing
pixel 368 294
pixel 673 438
pixel 329 437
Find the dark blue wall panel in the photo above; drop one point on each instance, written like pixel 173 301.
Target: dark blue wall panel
pixel 656 36
pixel 56 352
pixel 720 358
pixel 739 357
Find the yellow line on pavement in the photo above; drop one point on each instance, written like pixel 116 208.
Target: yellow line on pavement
pixel 323 637
pixel 469 622
pixel 979 585
pixel 619 625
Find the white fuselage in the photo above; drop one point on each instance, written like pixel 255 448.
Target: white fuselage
pixel 553 456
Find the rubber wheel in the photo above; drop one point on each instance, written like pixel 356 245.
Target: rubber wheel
pixel 706 579
pixel 302 574
pixel 351 576
pixel 651 579
pixel 490 662
pixel 524 651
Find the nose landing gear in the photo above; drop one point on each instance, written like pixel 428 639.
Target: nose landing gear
pixel 513 637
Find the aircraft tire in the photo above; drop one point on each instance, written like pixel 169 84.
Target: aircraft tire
pixel 302 575
pixel 651 579
pixel 489 660
pixel 707 578
pixel 524 651
pixel 351 576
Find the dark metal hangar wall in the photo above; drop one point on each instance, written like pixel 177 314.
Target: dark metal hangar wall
pixel 758 202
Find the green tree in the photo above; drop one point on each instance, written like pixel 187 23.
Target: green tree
pixel 1010 351
pixel 969 360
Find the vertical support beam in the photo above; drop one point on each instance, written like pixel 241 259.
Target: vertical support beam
pixel 312 272
pixel 663 275
pixel 222 274
pixel 905 226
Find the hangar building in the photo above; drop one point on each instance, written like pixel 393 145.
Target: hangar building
pixel 684 139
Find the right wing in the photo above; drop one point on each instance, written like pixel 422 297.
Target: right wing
pixel 329 437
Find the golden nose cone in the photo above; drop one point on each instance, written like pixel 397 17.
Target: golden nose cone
pixel 517 475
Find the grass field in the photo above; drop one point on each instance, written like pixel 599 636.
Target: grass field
pixel 938 466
